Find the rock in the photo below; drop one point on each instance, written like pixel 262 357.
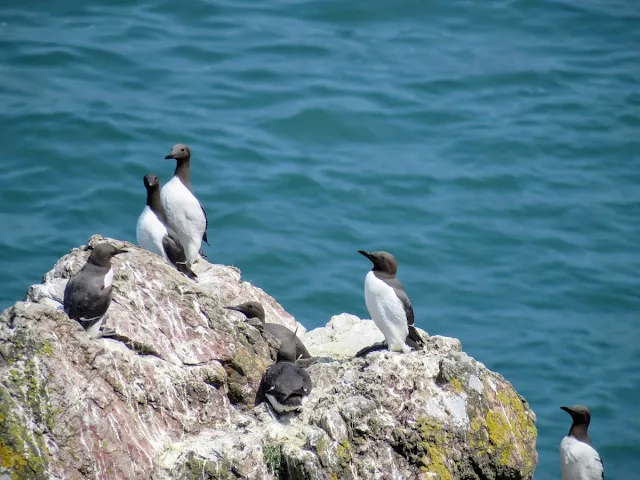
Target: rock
pixel 172 396
pixel 343 336
pixel 390 415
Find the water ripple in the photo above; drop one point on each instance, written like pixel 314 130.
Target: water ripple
pixel 492 148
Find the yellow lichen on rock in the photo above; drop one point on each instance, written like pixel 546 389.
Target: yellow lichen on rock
pixel 182 392
pixel 10 458
pixel 432 437
pixel 500 435
pixel 523 423
pixel 456 385
pixel 437 463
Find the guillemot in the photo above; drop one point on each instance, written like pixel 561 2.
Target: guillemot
pixel 87 295
pixel 185 215
pixel 285 386
pixel 153 234
pixel 389 305
pixel 291 347
pixel 578 459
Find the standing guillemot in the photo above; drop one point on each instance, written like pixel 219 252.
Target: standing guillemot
pixel 291 347
pixel 389 305
pixel 185 215
pixel 87 295
pixel 578 459
pixel 152 232
pixel 285 385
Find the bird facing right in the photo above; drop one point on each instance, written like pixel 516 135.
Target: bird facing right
pixel 87 295
pixel 578 459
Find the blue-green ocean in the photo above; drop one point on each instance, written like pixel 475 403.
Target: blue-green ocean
pixel 492 147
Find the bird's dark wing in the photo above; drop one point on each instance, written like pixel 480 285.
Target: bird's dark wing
pixel 206 225
pixel 287 351
pixel 86 298
pixel 296 381
pixel 301 350
pixel 175 252
pixel 173 248
pixel 307 384
pixel 66 303
pixel 271 379
pixel 292 347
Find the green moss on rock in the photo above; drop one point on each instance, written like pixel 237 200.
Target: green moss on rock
pixel 22 451
pixel 343 452
pixel 244 373
pixel 46 349
pixel 200 469
pixel 321 446
pixel 24 400
pixel 272 454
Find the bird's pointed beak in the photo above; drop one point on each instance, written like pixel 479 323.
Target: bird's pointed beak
pixel 121 251
pixel 169 156
pixel 566 409
pixel 235 308
pixel 365 253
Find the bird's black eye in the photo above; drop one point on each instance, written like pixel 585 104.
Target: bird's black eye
pixel 182 150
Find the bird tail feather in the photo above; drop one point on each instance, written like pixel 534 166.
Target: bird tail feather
pixel 186 269
pixel 414 340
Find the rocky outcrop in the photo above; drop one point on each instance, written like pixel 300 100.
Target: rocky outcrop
pixel 172 396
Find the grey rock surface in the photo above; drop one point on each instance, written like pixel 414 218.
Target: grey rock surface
pixel 172 396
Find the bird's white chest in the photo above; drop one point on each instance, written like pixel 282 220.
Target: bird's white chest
pixel 386 310
pixel 579 461
pixel 108 278
pixel 184 213
pixel 280 407
pixel 180 203
pixel 150 231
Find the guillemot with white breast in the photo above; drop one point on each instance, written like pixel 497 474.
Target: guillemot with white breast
pixel 153 234
pixel 578 459
pixel 389 305
pixel 87 295
pixel 185 215
pixel 286 385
